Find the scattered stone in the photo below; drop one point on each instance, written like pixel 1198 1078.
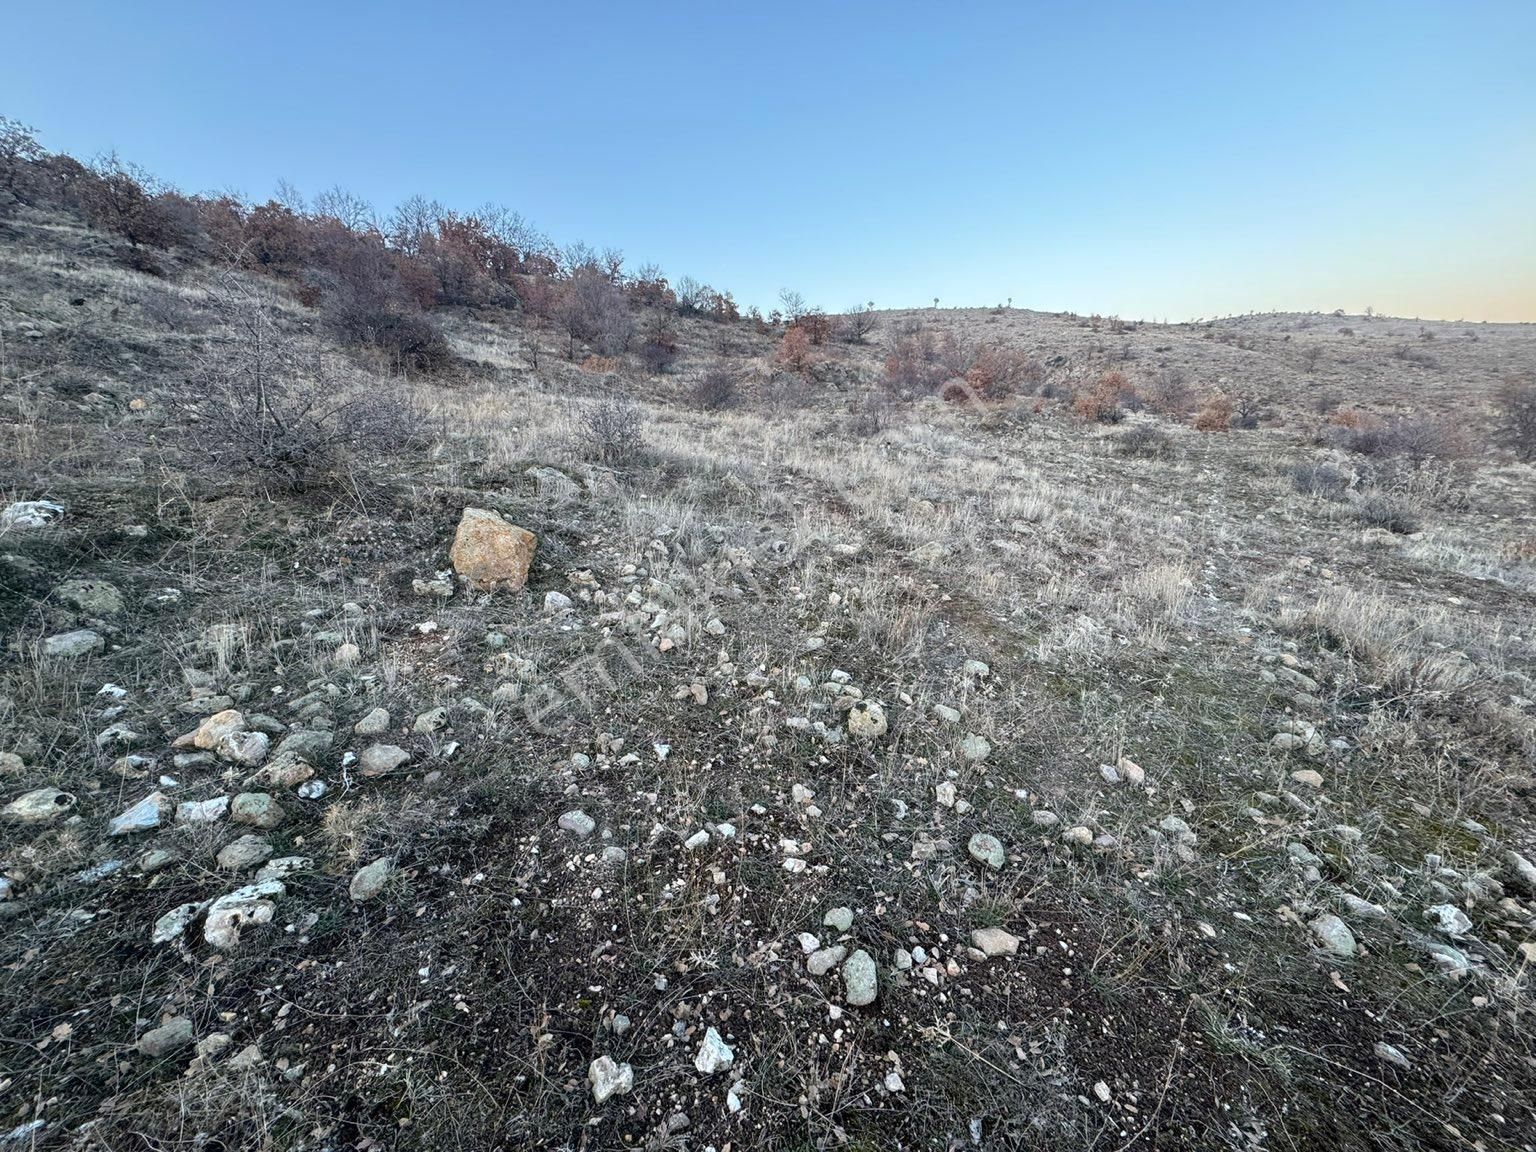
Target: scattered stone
pixel 1388 1054
pixel 609 1079
pixel 995 941
pixel 947 714
pixel 489 553
pixel 697 840
pixel 202 811
pixel 1078 834
pixel 1520 873
pixel 39 805
pixel 861 982
pixel 1133 772
pixel 92 597
pixel 839 919
pixel 162 1041
pixel 174 923
pixel 715 627
pixel 714 1054
pixel 578 822
pixel 246 1059
pixel 1334 935
pixel 975 670
pixel 381 760
pixel 987 849
pixel 373 724
pixel 246 852
pixel 257 809
pixel 30 514
pixel 823 960
pixel 370 879
pixel 1110 773
pixel 944 793
pixel 73 645
pixel 557 603
pixel 1449 919
pixel 866 720
pixel 141 817
pixel 234 910
pixel 432 720
pixel 1308 776
pixel 1044 818
pixel 975 748
pixel 155 860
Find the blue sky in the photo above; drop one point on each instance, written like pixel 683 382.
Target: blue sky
pixel 1159 160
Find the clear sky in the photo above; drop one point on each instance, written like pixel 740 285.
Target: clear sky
pixel 1155 160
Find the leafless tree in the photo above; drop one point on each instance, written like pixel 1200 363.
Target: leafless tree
pixel 858 322
pixel 350 211
pixel 592 309
pixel 793 304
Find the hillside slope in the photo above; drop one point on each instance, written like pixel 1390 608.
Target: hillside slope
pixel 977 775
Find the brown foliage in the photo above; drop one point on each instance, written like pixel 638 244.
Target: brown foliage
pixel 999 373
pixel 1106 401
pixel 795 350
pixel 1215 416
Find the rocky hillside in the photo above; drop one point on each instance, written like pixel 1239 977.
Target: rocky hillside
pixel 567 754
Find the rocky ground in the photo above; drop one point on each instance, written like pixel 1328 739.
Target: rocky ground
pixel 816 774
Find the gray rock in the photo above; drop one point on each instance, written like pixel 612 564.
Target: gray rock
pixel 308 744
pixel 578 822
pixel 1449 919
pixel 381 760
pixel 73 645
pixel 1388 1054
pixel 174 923
pixel 141 817
pixel 246 852
pixel 1520 873
pixel 92 597
pixel 554 486
pixel 866 720
pixel 40 805
pixel 840 919
pixel 202 811
pixel 975 748
pixel 1334 935
pixel 162 1041
pixel 30 514
pixel 282 867
pixel 987 849
pixel 861 982
pixel 373 724
pixel 369 880
pixel 714 1054
pixel 609 1079
pixel 823 960
pixel 256 809
pixel 557 603
pixel 995 941
pixel 432 720
pixel 233 911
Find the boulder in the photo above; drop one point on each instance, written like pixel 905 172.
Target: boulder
pixel 72 645
pixel 39 805
pixel 490 553
pixel 92 597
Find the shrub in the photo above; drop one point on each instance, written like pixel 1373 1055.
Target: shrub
pixel 658 352
pixel 1105 402
pixel 1317 478
pixel 795 350
pixel 857 323
pixel 1516 402
pixel 1144 440
pixel 1378 511
pixel 1417 437
pixel 716 388
pixel 283 420
pixel 591 309
pixel 1215 416
pixel 998 373
pixel 613 433
pixel 1169 393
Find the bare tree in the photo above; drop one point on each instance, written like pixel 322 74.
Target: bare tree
pixel 413 224
pixel 793 304
pixel 18 149
pixel 352 212
pixel 858 322
pixel 592 309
